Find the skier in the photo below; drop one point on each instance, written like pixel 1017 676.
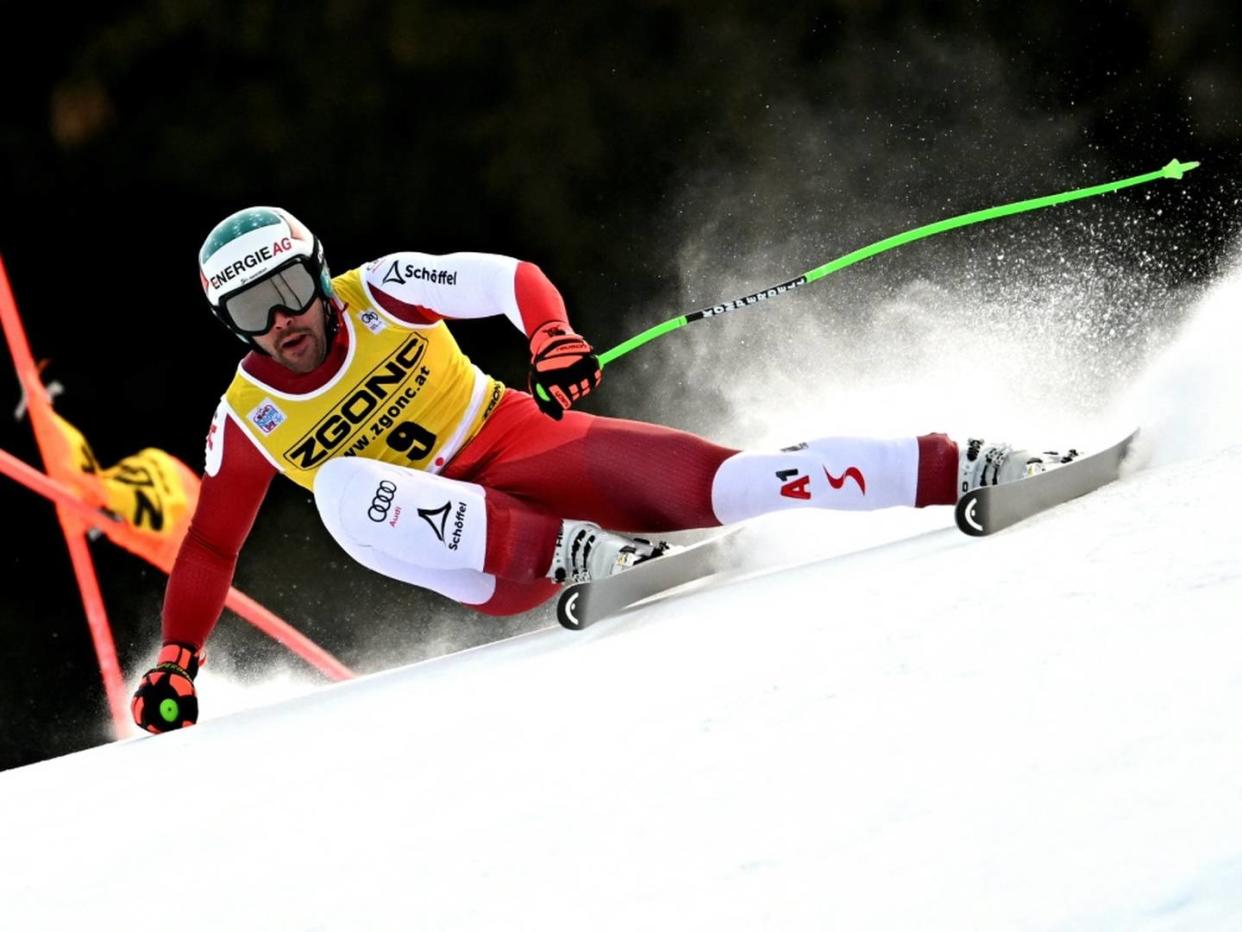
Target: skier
pixel 429 471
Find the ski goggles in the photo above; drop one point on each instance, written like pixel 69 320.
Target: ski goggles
pixel 291 288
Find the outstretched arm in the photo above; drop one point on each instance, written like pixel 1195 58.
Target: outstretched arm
pixel 228 502
pixel 232 490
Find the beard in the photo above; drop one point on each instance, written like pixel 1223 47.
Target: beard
pixel 301 350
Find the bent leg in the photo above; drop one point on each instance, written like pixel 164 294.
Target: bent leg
pixel 452 537
pixel 624 475
pixel 846 473
pixel 511 598
pixel 632 476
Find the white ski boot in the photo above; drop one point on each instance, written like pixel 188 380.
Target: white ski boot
pixel 984 463
pixel 585 551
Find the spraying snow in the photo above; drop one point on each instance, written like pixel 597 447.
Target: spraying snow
pixel 1032 731
pixel 1191 396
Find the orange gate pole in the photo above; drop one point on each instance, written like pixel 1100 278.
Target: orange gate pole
pixel 39 408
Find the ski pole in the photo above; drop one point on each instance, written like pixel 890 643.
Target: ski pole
pixel 1174 169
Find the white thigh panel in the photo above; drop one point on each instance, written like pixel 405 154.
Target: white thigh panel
pixel 469 587
pixel 414 518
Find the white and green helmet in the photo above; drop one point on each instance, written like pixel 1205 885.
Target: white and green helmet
pixel 258 261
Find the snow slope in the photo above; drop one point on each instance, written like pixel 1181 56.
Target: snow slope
pixel 1033 731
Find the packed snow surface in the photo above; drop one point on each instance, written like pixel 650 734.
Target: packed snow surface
pixel 1038 730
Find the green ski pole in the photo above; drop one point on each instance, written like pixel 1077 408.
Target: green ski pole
pixel 1174 169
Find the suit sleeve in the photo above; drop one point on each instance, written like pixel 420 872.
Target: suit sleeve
pixel 420 289
pixel 228 501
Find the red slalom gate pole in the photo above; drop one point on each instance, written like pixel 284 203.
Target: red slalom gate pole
pixel 236 600
pixel 39 407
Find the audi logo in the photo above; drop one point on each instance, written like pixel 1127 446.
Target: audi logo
pixel 381 501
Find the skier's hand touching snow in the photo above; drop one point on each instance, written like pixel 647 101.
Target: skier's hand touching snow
pixel 165 698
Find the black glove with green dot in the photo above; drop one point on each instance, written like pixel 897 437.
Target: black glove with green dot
pixel 165 699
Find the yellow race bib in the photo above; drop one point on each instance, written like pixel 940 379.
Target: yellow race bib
pixel 405 395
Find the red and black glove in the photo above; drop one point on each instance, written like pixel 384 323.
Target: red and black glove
pixel 165 698
pixel 563 369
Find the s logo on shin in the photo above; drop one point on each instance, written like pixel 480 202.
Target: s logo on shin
pixel 851 473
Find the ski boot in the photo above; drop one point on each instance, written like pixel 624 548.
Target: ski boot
pixel 585 551
pixel 983 463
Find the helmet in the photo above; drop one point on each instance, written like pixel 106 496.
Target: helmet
pixel 260 260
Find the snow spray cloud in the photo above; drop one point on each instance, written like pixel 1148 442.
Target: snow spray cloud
pixel 391 623
pixel 1189 400
pixel 231 691
pixel 1021 330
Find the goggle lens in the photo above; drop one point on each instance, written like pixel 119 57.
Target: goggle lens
pixel 252 310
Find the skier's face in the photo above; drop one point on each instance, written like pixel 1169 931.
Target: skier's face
pixel 297 341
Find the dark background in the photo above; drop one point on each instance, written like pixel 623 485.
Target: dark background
pixel 596 140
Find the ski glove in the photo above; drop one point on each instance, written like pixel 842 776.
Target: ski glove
pixel 165 698
pixel 563 369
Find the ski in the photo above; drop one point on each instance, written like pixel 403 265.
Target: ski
pixel 583 604
pixel 993 508
pixel 980 512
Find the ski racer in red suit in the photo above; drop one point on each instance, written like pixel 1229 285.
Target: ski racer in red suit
pixel 428 470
